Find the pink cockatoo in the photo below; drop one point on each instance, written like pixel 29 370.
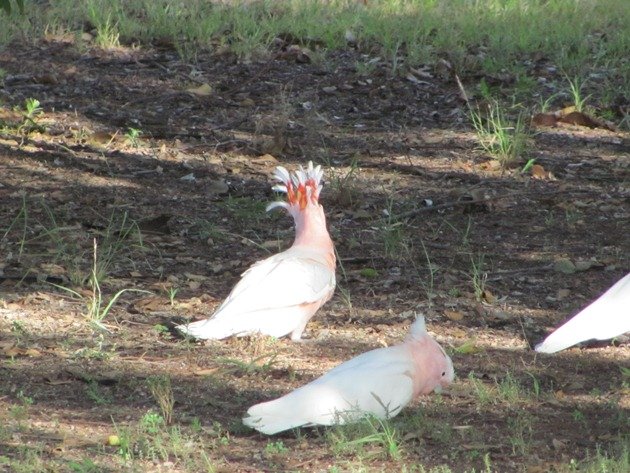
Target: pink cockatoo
pixel 278 295
pixel 605 318
pixel 380 382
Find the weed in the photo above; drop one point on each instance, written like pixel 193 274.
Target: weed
pixel 276 448
pixel 369 431
pixel 31 113
pixel 343 185
pixel 482 392
pixel 504 141
pixel 107 33
pixel 162 392
pixel 478 276
pixel 160 329
pixel 528 165
pixel 521 430
pixel 345 296
pixel 433 269
pixel 172 292
pixel 95 394
pixel 509 389
pixel 393 234
pixel 254 365
pixel 366 67
pixel 84 466
pixel 20 411
pixel 133 137
pixel 152 422
pixel 18 329
pixel 97 308
pixel 575 87
pixel 245 209
pixel 23 217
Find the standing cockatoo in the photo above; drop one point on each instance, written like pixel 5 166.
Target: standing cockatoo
pixel 605 318
pixel 380 382
pixel 279 295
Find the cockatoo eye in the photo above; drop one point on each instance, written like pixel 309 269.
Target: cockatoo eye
pixel 443 373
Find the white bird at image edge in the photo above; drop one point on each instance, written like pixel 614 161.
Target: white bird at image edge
pixel 605 318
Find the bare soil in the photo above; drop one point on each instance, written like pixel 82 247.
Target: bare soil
pixel 413 206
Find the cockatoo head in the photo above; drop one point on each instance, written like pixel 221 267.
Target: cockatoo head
pixel 302 188
pixel 434 368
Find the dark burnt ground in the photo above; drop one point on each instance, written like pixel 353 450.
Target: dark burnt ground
pixel 184 210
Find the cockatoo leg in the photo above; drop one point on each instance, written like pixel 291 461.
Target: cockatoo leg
pixel 296 335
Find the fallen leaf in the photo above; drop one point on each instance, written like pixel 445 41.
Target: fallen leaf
pixel 544 119
pixel 584 265
pixel 538 172
pixel 205 371
pixel 218 186
pixel 468 347
pixel 188 177
pixel 202 91
pixel 488 297
pixel 557 444
pixel 247 102
pixel 455 315
pixel 564 265
pixel 265 159
pixel 579 119
pixel 562 294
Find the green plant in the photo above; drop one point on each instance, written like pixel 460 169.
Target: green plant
pixel 19 412
pixel 162 392
pixel 478 275
pixel 343 187
pixel 94 393
pixel 392 232
pixel 23 217
pixel 107 32
pixel 172 292
pixel 252 366
pixel 276 448
pixel 133 137
pixel 97 307
pixel 369 431
pixel 482 392
pixel 152 422
pixel 433 269
pixel 160 329
pixel 575 87
pixel 528 165
pixel 31 112
pixel 504 141
pixel 6 5
pixel 521 431
pixel 84 466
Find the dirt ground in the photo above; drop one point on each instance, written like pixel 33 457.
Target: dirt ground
pixel 422 219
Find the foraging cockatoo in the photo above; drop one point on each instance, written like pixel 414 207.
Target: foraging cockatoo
pixel 380 382
pixel 605 318
pixel 278 295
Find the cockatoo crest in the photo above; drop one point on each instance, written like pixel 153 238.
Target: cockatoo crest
pixel 302 187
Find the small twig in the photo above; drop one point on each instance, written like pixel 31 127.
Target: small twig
pixel 498 275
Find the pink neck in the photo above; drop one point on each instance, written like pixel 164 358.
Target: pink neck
pixel 310 229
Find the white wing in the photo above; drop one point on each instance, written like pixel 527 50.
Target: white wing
pixel 377 382
pixel 286 279
pixel 605 318
pixel 272 297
